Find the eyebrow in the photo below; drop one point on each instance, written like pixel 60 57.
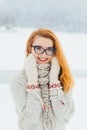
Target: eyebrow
pixel 43 47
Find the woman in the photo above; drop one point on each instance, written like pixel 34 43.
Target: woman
pixel 42 90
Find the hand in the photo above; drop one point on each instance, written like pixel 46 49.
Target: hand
pixel 55 70
pixel 31 70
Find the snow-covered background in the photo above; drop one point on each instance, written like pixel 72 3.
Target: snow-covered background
pixel 12 54
pixel 68 20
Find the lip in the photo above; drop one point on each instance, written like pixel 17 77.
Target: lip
pixel 42 60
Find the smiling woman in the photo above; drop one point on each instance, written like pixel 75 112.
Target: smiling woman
pixel 42 91
pixel 43 49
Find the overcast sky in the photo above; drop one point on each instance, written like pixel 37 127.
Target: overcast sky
pixel 69 15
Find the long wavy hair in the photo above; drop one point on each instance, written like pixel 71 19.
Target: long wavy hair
pixel 65 76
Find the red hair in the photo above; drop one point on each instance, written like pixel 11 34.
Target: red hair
pixel 65 76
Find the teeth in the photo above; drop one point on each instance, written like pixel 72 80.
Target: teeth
pixel 43 59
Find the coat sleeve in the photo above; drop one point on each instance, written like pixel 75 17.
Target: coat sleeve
pixel 62 104
pixel 26 103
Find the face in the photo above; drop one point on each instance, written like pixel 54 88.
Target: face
pixel 43 43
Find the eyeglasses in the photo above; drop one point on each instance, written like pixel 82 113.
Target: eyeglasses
pixel 40 50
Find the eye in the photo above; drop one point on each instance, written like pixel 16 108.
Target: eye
pixel 50 48
pixel 38 47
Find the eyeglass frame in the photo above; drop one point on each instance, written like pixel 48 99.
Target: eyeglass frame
pixel 44 50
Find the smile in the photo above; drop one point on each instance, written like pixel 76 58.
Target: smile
pixel 43 59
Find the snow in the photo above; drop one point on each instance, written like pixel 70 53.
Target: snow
pixel 8 117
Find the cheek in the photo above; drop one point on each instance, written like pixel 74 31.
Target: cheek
pixel 50 58
pixel 34 55
pixel 32 51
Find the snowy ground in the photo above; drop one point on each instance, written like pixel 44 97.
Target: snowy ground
pixel 12 54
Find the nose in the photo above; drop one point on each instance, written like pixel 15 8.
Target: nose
pixel 44 54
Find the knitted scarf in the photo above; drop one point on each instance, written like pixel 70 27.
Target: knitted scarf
pixel 43 80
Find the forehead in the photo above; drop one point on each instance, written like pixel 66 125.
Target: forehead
pixel 42 41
